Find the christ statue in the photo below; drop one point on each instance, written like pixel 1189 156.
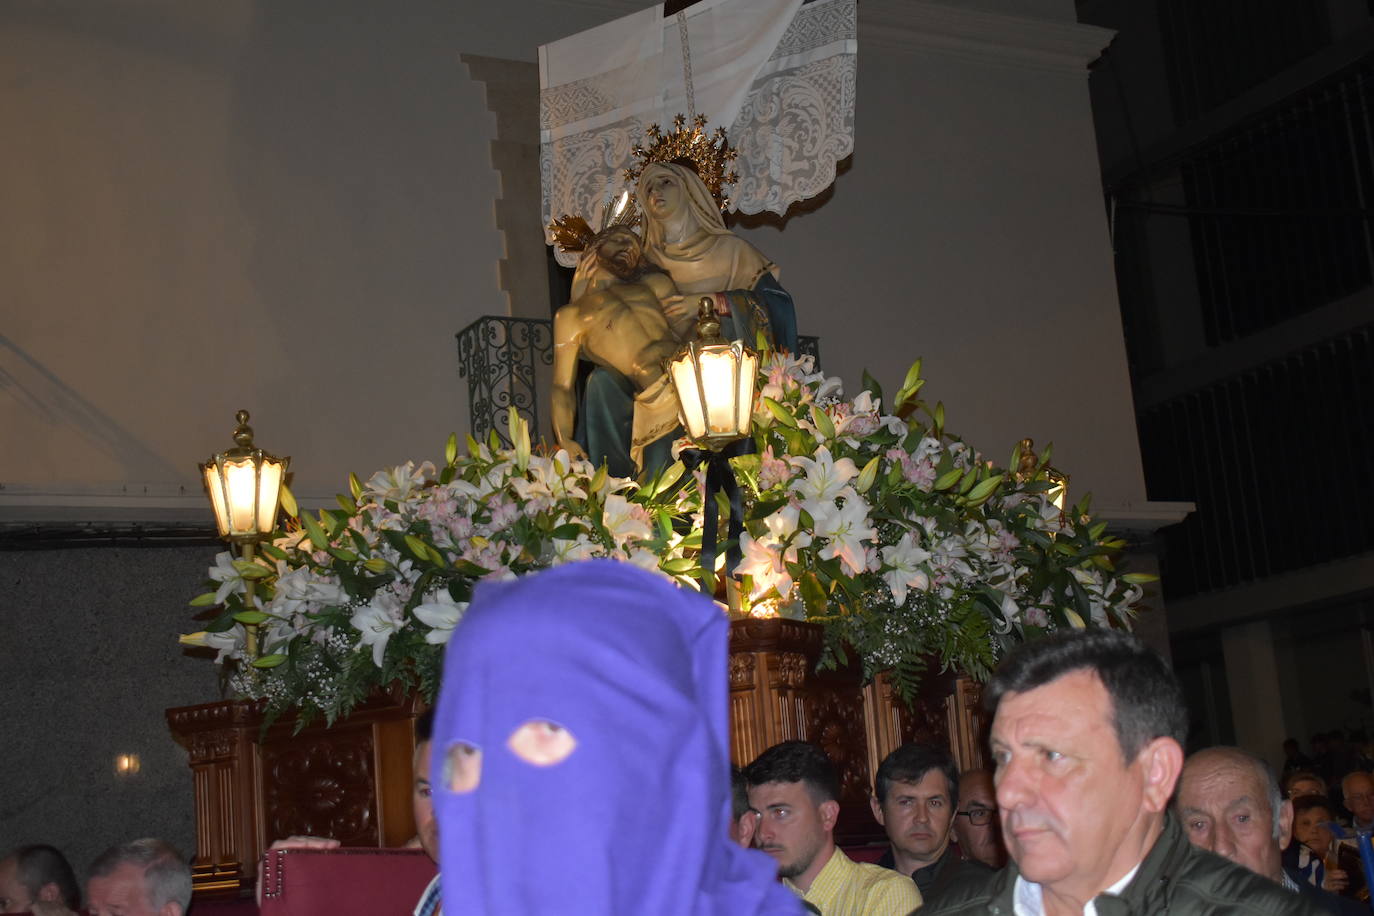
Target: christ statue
pixel 616 320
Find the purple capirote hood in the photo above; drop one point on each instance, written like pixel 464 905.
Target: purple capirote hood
pixel 634 820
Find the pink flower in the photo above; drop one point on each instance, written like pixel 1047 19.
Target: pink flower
pixel 919 471
pixel 773 471
pixel 504 512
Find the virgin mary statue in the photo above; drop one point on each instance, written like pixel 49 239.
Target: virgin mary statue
pixel 685 235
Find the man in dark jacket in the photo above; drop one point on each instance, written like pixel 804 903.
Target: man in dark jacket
pixel 916 794
pixel 1087 736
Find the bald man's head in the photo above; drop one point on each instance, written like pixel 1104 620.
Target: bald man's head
pixel 1229 803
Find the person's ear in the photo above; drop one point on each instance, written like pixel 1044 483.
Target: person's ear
pixel 171 908
pixel 1285 823
pixel 746 827
pixel 877 810
pixel 1160 763
pixel 830 813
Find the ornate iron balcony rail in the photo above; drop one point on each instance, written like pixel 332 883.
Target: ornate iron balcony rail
pixel 508 364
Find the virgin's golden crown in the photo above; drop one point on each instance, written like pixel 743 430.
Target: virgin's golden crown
pixel 708 154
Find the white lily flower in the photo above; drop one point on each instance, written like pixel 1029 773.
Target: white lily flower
pixel 229 643
pixel 766 559
pixel 765 563
pixel 647 560
pixel 302 590
pixel 783 523
pixel 905 560
pixel 227 575
pixel 572 550
pixel 548 477
pixel 296 540
pixel 626 520
pixel 825 478
pixel 846 530
pixel 441 614
pixel 894 425
pixel 377 624
pixel 399 482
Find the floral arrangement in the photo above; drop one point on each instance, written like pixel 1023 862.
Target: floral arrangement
pixel 898 537
pixel 903 540
pixel 366 595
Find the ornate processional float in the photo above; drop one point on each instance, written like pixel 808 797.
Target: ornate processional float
pixel 877 565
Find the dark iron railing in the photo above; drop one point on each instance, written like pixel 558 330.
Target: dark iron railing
pixel 508 364
pixel 1283 205
pixel 504 360
pixel 1216 49
pixel 1274 214
pixel 1280 461
pixel 1268 220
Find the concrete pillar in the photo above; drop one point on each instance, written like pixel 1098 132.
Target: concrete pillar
pixel 1252 676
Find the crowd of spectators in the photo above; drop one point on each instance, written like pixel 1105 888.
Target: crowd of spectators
pixel 145 877
pixel 1090 797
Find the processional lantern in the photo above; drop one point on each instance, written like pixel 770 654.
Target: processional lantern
pixel 244 484
pixel 715 380
pixel 1028 468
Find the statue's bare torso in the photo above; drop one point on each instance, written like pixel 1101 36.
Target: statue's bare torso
pixel 623 327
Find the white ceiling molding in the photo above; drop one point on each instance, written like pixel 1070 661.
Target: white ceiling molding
pixel 167 503
pixel 1141 519
pixel 981 36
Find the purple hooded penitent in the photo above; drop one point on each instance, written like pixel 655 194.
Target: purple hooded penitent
pixel 634 820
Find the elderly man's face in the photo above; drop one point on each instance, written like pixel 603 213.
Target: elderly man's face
pixel 1299 788
pixel 14 897
pixel 978 801
pixel 122 893
pixel 1359 796
pixel 1068 799
pixel 1223 802
pixel 794 829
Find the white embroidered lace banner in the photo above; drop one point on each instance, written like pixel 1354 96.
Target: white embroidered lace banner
pixel 779 74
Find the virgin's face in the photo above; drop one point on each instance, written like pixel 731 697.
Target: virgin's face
pixel 663 195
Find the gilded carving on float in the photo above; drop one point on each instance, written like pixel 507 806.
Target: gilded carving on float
pixel 742 669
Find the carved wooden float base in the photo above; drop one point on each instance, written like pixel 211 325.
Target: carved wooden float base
pixel 353 781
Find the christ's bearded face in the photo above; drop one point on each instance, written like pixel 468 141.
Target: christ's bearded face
pixel 621 252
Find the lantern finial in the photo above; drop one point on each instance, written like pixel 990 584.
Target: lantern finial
pixel 708 323
pixel 243 433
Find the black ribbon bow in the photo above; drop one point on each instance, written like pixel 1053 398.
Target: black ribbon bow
pixel 720 478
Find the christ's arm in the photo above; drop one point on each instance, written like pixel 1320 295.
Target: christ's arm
pixel 567 344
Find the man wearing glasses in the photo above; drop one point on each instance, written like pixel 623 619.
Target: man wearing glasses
pixel 1357 790
pixel 916 794
pixel 975 825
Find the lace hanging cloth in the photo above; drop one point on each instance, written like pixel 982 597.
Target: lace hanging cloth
pixel 780 74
